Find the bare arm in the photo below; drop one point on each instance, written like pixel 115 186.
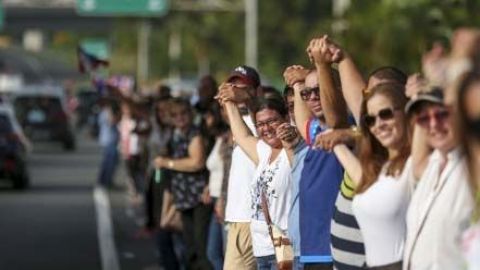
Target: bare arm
pixel 420 151
pixel 241 134
pixel 295 77
pixel 333 104
pixel 352 85
pixel 350 162
pixel 194 162
pixel 351 79
pixel 301 111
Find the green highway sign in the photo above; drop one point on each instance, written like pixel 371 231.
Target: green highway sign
pixel 147 8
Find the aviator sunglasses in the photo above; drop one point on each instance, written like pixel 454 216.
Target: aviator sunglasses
pixel 306 93
pixel 384 114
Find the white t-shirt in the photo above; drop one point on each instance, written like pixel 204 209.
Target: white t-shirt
pixel 242 170
pixel 128 139
pixel 275 179
pixel 471 247
pixel 215 167
pixel 440 210
pixel 381 212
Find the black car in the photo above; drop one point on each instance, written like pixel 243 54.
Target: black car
pixel 12 154
pixel 44 118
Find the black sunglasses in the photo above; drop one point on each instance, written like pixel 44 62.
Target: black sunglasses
pixel 384 114
pixel 306 92
pixel 424 119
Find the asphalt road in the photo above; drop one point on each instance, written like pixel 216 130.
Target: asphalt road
pixel 53 224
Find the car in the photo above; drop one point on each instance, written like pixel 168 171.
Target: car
pixel 13 149
pixel 42 113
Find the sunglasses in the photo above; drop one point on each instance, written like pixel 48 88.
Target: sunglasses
pixel 306 93
pixel 424 119
pixel 270 122
pixel 384 114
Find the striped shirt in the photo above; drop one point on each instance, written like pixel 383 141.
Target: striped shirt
pixel 347 243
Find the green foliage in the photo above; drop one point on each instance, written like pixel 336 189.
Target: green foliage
pixel 378 32
pixel 397 32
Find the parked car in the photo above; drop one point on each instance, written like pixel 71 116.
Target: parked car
pixel 42 114
pixel 13 148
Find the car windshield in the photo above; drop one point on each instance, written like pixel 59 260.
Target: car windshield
pixel 37 109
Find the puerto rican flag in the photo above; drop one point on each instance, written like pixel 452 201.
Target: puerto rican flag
pixel 88 62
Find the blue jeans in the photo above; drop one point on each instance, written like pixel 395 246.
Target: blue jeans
pixel 266 263
pixel 297 265
pixel 109 165
pixel 215 242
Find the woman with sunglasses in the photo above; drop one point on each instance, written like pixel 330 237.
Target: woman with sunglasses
pixel 272 179
pixel 469 134
pixel 382 193
pixel 441 204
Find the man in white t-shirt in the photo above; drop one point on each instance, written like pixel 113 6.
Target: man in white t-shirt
pixel 239 252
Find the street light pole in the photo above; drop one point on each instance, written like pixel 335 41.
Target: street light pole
pixel 251 33
pixel 143 50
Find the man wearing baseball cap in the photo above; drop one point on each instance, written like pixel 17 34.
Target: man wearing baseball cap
pixel 242 84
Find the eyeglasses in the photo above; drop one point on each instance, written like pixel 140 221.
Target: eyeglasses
pixel 424 119
pixel 306 93
pixel 270 122
pixel 384 114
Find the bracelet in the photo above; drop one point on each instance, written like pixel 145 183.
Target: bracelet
pixel 170 164
pixel 356 131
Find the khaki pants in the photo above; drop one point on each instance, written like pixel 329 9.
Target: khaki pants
pixel 239 253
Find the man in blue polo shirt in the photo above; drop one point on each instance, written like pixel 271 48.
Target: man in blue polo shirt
pixel 317 173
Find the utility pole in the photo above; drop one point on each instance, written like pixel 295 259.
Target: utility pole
pixel 175 52
pixel 249 7
pixel 251 33
pixel 143 50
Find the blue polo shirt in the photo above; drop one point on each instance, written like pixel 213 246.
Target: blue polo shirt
pixel 294 215
pixel 318 189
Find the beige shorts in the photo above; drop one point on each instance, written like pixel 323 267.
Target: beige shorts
pixel 239 252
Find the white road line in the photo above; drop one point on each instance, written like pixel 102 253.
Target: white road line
pixel 108 250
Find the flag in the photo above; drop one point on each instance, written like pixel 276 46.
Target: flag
pixel 88 62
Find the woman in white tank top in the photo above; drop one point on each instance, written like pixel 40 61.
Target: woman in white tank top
pixel 382 193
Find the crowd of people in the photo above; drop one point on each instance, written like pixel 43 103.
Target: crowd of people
pixel 339 172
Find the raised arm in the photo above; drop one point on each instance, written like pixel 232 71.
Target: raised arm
pixel 241 134
pixel 295 77
pixel 333 104
pixel 350 77
pixel 420 151
pixel 229 95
